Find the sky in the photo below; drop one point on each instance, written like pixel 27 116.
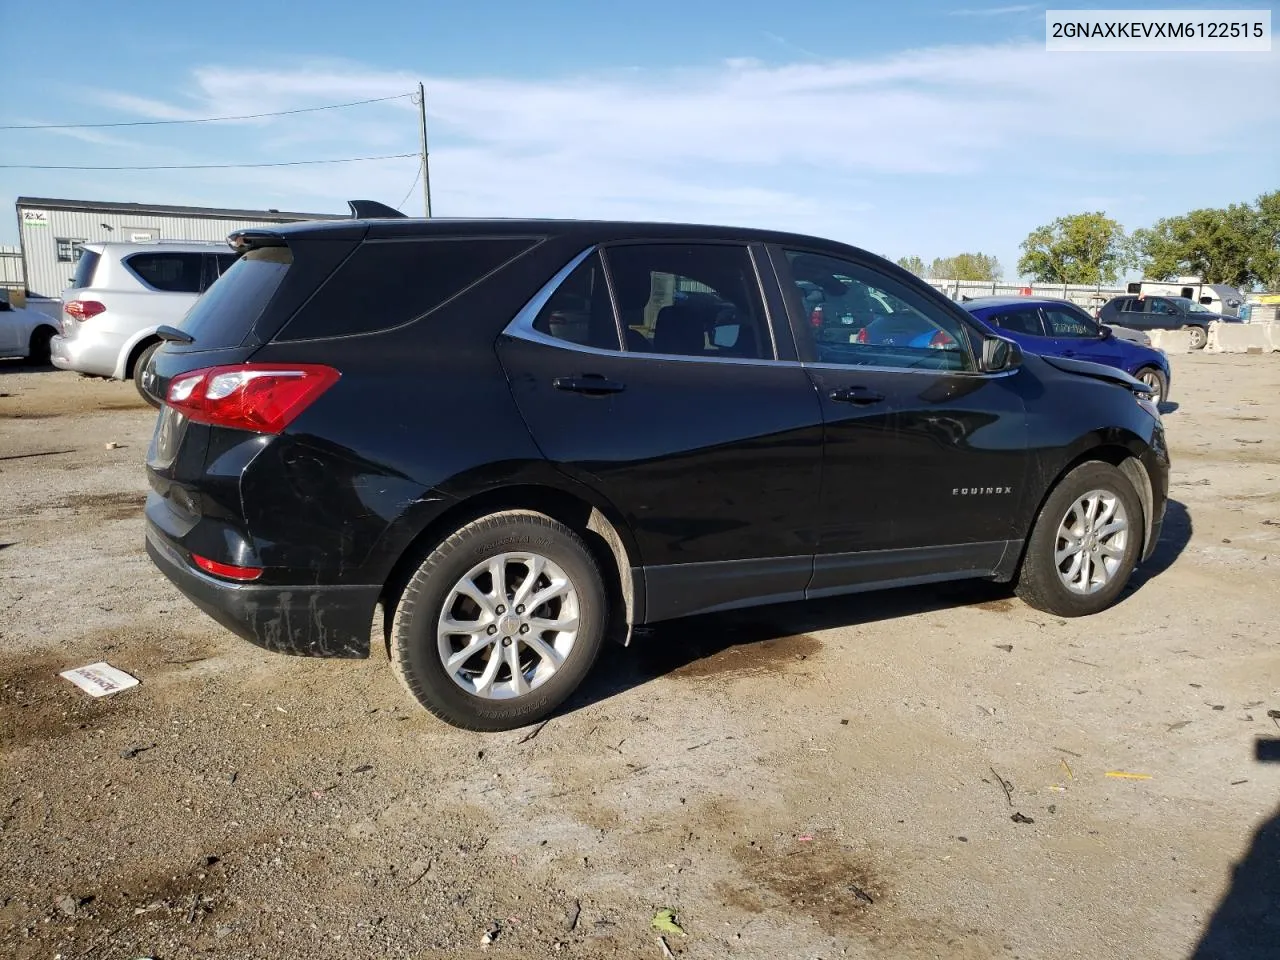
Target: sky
pixel 917 127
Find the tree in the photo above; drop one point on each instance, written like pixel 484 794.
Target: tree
pixel 1265 258
pixel 1080 248
pixel 1238 245
pixel 912 264
pixel 965 266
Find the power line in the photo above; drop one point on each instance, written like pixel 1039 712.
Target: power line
pixel 161 123
pixel 208 166
pixel 416 177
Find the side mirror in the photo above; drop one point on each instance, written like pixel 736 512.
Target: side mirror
pixel 1104 332
pixel 999 354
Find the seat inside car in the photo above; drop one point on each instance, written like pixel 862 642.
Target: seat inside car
pixel 680 330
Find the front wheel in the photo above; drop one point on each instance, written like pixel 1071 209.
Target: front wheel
pixel 1156 380
pixel 1085 543
pixel 500 623
pixel 1199 337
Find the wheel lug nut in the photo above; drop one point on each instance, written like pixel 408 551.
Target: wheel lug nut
pixel 520 609
pixel 501 609
pixel 506 641
pixel 492 630
pixel 524 628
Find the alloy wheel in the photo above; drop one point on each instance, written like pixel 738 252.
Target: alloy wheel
pixel 1091 542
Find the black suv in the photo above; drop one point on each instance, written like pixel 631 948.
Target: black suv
pixel 523 437
pixel 1162 313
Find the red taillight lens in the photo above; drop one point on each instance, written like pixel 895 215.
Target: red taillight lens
pixel 815 318
pixel 228 570
pixel 862 336
pixel 941 340
pixel 83 309
pixel 262 397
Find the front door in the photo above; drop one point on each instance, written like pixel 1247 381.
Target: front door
pixel 1075 334
pixel 675 410
pixel 925 457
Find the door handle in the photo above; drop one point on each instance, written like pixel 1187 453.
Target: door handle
pixel 591 384
pixel 856 395
pixel 1068 353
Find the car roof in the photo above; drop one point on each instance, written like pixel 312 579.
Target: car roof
pixel 588 231
pixel 1012 301
pixel 122 248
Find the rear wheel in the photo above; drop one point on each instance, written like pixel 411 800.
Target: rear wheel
pixel 1156 380
pixel 1085 543
pixel 140 373
pixel 500 623
pixel 38 348
pixel 1199 337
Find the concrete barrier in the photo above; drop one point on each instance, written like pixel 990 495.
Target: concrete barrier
pixel 1273 334
pixel 1171 341
pixel 1241 338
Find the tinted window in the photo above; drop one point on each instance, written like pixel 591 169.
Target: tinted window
pixel 1065 322
pixel 1025 320
pixel 387 283
pixel 170 272
pixel 1163 307
pixel 85 269
pixel 869 319
pixel 226 313
pixel 699 300
pixel 580 310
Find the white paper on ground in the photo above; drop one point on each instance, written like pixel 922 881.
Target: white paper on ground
pixel 100 679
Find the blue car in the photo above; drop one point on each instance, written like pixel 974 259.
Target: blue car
pixel 1059 328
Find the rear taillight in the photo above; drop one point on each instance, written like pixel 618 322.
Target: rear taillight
pixel 262 397
pixel 942 340
pixel 227 570
pixel 84 309
pixel 862 336
pixel 815 317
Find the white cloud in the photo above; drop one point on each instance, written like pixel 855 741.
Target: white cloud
pixel 994 11
pixel 823 147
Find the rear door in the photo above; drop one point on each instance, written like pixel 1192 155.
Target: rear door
pixel 1132 313
pixel 658 385
pixel 925 457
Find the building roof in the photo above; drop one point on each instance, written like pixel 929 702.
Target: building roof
pixel 166 210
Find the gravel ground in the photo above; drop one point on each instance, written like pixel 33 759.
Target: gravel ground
pixel 831 779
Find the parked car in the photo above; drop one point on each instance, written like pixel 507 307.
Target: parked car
pixel 1163 313
pixel 1059 328
pixel 513 491
pixel 24 333
pixel 121 294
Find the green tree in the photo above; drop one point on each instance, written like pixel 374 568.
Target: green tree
pixel 912 264
pixel 1218 245
pixel 1265 259
pixel 965 266
pixel 1080 248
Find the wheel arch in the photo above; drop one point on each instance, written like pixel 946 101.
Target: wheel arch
pixel 41 331
pixel 134 350
pixel 1119 454
pixel 605 533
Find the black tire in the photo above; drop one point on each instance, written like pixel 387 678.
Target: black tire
pixel 38 349
pixel 413 644
pixel 1199 337
pixel 140 367
pixel 1040 583
pixel 1155 378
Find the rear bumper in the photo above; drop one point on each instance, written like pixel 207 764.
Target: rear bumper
pixel 303 620
pixel 87 354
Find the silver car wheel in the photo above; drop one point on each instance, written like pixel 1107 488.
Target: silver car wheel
pixel 1152 380
pixel 1091 543
pixel 508 625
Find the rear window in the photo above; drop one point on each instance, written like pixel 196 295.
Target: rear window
pixel 170 272
pixel 227 312
pixel 387 283
pixel 86 268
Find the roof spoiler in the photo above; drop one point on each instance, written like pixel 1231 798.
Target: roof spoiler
pixel 373 210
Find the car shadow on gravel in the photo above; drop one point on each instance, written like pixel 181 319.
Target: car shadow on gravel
pixel 769 638
pixel 1246 925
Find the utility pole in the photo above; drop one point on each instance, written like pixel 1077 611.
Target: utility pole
pixel 422 130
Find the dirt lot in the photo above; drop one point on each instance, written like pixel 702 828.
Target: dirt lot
pixel 817 780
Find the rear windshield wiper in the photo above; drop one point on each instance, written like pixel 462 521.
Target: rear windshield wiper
pixel 174 335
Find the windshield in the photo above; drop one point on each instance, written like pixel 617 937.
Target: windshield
pixel 1192 306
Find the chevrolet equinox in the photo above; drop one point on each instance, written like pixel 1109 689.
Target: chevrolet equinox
pixel 521 438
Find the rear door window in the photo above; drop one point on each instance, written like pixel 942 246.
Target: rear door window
pixel 224 316
pixel 1025 320
pixel 168 271
pixel 580 310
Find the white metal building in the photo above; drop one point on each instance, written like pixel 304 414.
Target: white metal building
pixel 52 231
